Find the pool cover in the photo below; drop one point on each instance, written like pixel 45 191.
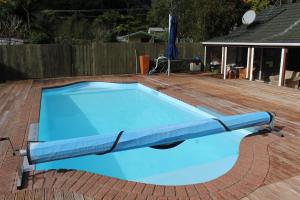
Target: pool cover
pixel 39 152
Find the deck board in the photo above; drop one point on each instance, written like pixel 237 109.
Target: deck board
pixel 287 189
pixel 17 110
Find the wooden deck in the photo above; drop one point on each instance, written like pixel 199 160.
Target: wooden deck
pixel 268 166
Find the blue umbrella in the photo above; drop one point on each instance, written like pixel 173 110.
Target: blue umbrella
pixel 171 50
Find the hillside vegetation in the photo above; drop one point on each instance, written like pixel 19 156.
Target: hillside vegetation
pixel 82 21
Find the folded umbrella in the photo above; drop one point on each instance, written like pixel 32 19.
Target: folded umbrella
pixel 171 51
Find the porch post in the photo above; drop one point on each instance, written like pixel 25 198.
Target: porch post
pixel 222 60
pixel 248 62
pixel 282 67
pixel 169 67
pixel 261 63
pixel 251 64
pixel 225 63
pixel 204 59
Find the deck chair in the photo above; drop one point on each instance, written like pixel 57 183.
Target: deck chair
pixel 292 79
pixel 161 65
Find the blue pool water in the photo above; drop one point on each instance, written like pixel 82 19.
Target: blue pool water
pixel 92 108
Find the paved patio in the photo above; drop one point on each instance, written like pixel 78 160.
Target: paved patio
pixel 268 165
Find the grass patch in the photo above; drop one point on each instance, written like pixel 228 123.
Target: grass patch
pixel 2 84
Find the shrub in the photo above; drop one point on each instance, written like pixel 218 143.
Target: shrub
pixel 36 37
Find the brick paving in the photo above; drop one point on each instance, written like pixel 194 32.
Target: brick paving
pixel 256 166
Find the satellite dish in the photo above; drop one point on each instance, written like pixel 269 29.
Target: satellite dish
pixel 249 17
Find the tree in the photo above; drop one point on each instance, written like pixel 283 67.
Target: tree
pixel 118 23
pixel 198 19
pixel 158 14
pixel 218 17
pixel 5 8
pixel 27 6
pixel 258 5
pixel 12 26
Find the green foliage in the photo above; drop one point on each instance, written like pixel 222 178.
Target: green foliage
pixel 92 4
pixel 74 26
pixel 38 17
pixel 112 23
pixel 25 7
pixel 198 19
pixel 108 36
pixel 258 5
pixel 12 26
pixel 217 17
pixel 6 8
pixel 36 37
pixel 158 14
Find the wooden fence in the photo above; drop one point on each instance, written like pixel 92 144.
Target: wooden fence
pixel 55 60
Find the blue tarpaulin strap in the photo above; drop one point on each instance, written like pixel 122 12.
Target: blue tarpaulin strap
pixel 114 144
pixel 69 148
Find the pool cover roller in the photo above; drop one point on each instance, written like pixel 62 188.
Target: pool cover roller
pixel 39 152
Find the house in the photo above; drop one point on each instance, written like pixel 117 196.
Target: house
pixel 11 41
pixel 268 48
pixel 157 30
pixel 139 36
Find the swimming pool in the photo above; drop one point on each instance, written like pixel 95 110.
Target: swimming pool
pixel 92 108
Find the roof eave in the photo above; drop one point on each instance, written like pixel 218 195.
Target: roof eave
pixel 270 44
